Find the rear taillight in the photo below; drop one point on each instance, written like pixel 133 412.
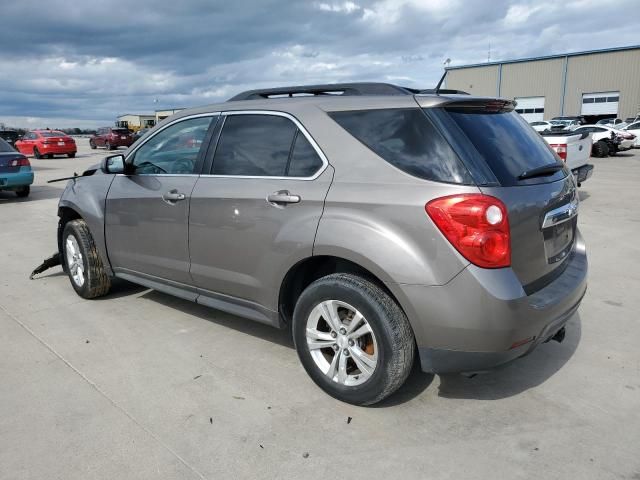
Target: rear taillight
pixel 20 162
pixel 477 226
pixel 560 149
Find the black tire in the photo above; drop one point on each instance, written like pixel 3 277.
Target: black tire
pixel 96 282
pixel 24 191
pixel 108 146
pixel 613 150
pixel 71 155
pixel 92 145
pixel 393 334
pixel 36 152
pixel 600 149
pixel 49 155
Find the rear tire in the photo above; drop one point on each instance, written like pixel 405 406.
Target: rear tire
pixel 108 146
pixel 360 363
pixel 36 152
pixel 92 145
pixel 23 192
pixel 82 261
pixel 71 155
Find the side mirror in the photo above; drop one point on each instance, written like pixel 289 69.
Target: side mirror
pixel 113 164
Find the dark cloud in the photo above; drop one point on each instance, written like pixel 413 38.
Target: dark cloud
pixel 92 60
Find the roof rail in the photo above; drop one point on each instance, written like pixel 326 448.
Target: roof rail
pixel 364 88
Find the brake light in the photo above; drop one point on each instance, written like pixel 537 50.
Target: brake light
pixel 477 226
pixel 20 162
pixel 560 149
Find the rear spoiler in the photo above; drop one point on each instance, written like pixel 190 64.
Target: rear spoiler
pixel 489 105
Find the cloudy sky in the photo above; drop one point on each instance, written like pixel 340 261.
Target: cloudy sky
pixel 66 63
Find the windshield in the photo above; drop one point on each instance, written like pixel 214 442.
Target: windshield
pixel 506 143
pixel 5 147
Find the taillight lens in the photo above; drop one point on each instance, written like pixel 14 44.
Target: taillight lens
pixel 560 149
pixel 477 226
pixel 20 162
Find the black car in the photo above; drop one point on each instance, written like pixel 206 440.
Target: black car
pixel 10 136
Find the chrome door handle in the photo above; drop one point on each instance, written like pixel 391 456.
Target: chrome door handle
pixel 173 196
pixel 282 197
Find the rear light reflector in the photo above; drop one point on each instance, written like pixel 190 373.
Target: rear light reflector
pixel 560 149
pixel 20 162
pixel 477 226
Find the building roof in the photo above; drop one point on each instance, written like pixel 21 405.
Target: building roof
pixel 136 115
pixel 546 57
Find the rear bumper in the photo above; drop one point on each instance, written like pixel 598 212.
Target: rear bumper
pixel 58 149
pixel 583 173
pixel 473 322
pixel 14 180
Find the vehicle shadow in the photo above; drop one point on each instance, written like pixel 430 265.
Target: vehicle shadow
pixel 37 193
pixel 519 376
pixel 582 195
pixel 239 324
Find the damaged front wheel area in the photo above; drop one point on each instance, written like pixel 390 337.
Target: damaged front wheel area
pixel 82 261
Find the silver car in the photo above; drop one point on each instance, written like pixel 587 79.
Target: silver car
pixel 376 222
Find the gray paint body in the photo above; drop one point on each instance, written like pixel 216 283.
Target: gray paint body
pixel 225 246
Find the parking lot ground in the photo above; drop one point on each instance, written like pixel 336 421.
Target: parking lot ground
pixel 141 385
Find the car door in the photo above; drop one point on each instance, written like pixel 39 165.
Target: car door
pixel 146 221
pixel 25 145
pixel 256 214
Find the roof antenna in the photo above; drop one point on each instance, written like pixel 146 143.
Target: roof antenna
pixel 446 64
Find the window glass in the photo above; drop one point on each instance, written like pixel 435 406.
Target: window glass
pixel 52 133
pixel 174 150
pixel 304 160
pixel 254 145
pixel 408 140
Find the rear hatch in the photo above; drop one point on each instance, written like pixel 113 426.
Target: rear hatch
pixel 511 162
pixel 121 133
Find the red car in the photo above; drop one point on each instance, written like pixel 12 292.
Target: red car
pixel 111 138
pixel 46 143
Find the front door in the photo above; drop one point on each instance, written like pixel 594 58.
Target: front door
pixel 147 212
pixel 257 213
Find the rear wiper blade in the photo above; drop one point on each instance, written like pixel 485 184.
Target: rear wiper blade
pixel 541 171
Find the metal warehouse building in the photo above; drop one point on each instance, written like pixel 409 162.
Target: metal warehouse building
pixel 597 83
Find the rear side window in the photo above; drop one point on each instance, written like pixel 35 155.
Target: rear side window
pixel 408 140
pixel 5 147
pixel 254 145
pixel 304 159
pixel 506 143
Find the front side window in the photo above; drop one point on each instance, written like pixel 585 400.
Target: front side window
pixel 254 145
pixel 174 150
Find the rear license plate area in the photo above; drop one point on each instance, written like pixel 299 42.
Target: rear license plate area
pixel 61 144
pixel 558 240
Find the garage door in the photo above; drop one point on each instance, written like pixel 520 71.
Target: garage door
pixel 531 108
pixel 602 103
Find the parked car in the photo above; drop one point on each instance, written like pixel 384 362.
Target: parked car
pixel 564 124
pixel 605 136
pixel 574 149
pixel 10 136
pixel 140 133
pixel 15 170
pixel 47 143
pixel 634 129
pixel 613 122
pixel 630 120
pixel 541 126
pixel 374 222
pixel 111 138
pixel 578 118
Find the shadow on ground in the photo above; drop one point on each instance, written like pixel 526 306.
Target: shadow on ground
pixel 521 375
pixel 37 193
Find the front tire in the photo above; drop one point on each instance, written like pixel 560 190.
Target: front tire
pixel 82 261
pixel 36 152
pixel 108 146
pixel 600 149
pixel 92 145
pixel 353 339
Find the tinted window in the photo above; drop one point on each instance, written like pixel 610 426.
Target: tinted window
pixel 174 150
pixel 52 133
pixel 304 159
pixel 5 147
pixel 633 126
pixel 408 140
pixel 254 145
pixel 505 143
pixel 120 131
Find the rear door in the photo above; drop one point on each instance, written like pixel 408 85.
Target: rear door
pixel 542 209
pixel 147 212
pixel 256 213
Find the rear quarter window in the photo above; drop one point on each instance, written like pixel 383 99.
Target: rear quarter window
pixel 408 140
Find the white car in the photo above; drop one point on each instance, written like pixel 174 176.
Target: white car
pixel 541 126
pixel 634 129
pixel 621 139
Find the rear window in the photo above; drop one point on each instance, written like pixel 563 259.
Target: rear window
pixel 506 143
pixel 5 147
pixel 52 133
pixel 408 140
pixel 120 131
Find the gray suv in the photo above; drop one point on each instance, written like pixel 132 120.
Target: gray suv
pixel 375 221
